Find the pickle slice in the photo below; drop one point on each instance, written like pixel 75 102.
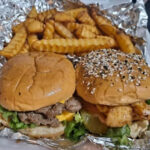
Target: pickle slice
pixel 93 124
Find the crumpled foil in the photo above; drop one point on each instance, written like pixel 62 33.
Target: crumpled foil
pixel 130 17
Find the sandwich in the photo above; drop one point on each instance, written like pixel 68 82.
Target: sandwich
pixel 115 88
pixel 36 92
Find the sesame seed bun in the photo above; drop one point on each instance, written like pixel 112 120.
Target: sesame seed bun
pixel 111 77
pixel 35 80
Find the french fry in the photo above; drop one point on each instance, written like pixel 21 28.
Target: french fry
pixel 49 31
pixel 57 36
pixel 74 26
pixel 62 17
pixel 108 30
pixel 28 21
pixel 15 44
pixel 71 26
pixel 35 26
pixel 125 43
pixel 17 27
pixel 51 22
pixel 84 33
pixel 75 12
pixel 33 13
pixel 46 15
pixel 104 24
pixel 31 39
pixel 138 51
pixel 62 30
pixel 85 18
pixel 100 20
pixel 91 28
pixel 73 45
pixel 25 48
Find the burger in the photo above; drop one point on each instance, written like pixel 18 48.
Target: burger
pixel 36 92
pixel 115 88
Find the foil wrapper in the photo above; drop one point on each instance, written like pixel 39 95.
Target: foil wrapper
pixel 130 17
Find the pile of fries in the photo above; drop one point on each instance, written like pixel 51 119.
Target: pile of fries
pixel 73 31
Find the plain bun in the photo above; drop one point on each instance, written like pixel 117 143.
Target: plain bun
pixel 96 85
pixel 44 132
pixel 35 80
pixel 39 132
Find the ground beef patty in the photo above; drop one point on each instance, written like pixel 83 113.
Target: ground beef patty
pixel 47 115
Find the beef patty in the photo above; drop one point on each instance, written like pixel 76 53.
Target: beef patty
pixel 47 115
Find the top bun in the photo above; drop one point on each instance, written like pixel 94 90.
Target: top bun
pixel 111 77
pixel 35 80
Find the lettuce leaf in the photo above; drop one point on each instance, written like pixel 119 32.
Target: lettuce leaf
pixel 119 135
pixel 13 119
pixel 75 129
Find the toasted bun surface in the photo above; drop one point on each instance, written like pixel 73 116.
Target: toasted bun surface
pixel 110 77
pixel 35 80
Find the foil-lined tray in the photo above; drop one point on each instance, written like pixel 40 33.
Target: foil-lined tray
pixel 130 17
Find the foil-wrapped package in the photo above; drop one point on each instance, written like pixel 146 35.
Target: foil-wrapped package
pixel 130 17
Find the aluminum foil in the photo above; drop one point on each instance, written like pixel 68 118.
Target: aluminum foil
pixel 130 17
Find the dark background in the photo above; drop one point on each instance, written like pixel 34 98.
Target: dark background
pixel 147 6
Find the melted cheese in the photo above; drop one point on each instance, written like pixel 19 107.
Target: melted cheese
pixel 65 116
pixel 63 101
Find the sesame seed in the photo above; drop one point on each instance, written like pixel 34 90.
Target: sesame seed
pixel 109 62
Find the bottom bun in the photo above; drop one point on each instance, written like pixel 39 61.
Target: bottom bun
pixel 44 132
pixel 39 132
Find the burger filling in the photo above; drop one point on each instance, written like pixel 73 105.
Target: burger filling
pixel 117 122
pixel 64 112
pixel 125 114
pixel 52 115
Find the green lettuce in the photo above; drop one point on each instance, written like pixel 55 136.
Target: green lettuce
pixel 13 119
pixel 148 101
pixel 75 129
pixel 119 135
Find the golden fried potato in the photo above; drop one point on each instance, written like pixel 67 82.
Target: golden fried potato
pixel 62 30
pixel 15 45
pixel 31 39
pixel 85 18
pixel 91 28
pixel 33 13
pixel 46 15
pixel 100 20
pixel 109 30
pixel 17 27
pixel 62 17
pixel 28 21
pixel 49 31
pixel 73 45
pixel 84 33
pixel 72 26
pixel 138 51
pixel 25 48
pixel 124 42
pixel 35 26
pixel 119 116
pixel 75 12
pixel 104 24
pixel 57 36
